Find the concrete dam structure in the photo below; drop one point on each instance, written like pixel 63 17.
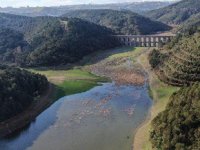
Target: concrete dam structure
pixel 143 40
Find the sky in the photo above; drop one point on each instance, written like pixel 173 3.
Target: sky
pixel 19 3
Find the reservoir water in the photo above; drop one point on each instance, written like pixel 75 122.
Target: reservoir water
pixel 103 118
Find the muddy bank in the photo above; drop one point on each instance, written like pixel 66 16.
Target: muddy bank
pixel 106 113
pixel 121 68
pixel 142 136
pixel 121 106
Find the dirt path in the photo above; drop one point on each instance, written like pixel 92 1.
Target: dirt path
pixel 21 120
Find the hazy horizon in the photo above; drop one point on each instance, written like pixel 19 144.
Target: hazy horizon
pixel 48 3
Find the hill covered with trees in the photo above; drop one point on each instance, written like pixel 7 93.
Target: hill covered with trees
pixel 50 41
pixel 178 127
pixel 12 44
pixel 177 13
pixel 192 22
pixel 121 22
pixel 178 62
pixel 19 88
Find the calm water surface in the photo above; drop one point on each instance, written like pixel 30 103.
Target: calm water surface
pixel 104 118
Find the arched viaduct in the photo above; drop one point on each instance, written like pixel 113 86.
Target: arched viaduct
pixel 143 40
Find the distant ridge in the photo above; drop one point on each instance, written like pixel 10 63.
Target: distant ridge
pixel 176 13
pixel 121 22
pixel 138 7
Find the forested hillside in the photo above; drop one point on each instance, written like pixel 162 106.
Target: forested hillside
pixel 178 127
pixel 192 22
pixel 19 88
pixel 68 41
pixel 178 62
pixel 12 45
pixel 176 13
pixel 121 22
pixel 49 40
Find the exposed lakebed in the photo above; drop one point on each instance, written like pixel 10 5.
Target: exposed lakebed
pixel 103 118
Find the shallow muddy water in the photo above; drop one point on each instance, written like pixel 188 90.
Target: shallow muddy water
pixel 103 118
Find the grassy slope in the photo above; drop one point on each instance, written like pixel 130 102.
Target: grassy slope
pixel 160 93
pixel 133 53
pixel 70 81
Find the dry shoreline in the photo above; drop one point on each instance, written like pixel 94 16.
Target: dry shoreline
pixel 21 120
pixel 137 145
pixel 57 79
pixel 133 73
pixel 141 139
pixel 122 76
pixel 121 68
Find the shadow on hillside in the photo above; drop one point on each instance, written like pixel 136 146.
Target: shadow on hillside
pixel 89 59
pixel 101 55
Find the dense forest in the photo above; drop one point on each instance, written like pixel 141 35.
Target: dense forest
pixel 50 41
pixel 68 44
pixel 121 22
pixel 12 46
pixel 19 88
pixel 176 13
pixel 178 127
pixel 177 63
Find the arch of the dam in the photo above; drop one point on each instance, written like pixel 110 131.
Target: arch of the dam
pixel 143 40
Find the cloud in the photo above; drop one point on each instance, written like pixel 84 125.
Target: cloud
pixel 18 3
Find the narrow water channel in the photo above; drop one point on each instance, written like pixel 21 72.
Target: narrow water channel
pixel 103 118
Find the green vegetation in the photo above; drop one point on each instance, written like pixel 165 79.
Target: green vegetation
pixel 181 65
pixel 178 126
pixel 176 13
pixel 76 86
pixel 121 22
pixel 19 88
pixel 12 45
pixel 156 58
pixel 71 81
pixel 132 52
pixel 48 41
pixel 191 25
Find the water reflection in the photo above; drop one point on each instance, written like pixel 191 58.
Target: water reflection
pixel 103 118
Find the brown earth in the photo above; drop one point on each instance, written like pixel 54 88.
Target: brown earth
pixel 121 69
